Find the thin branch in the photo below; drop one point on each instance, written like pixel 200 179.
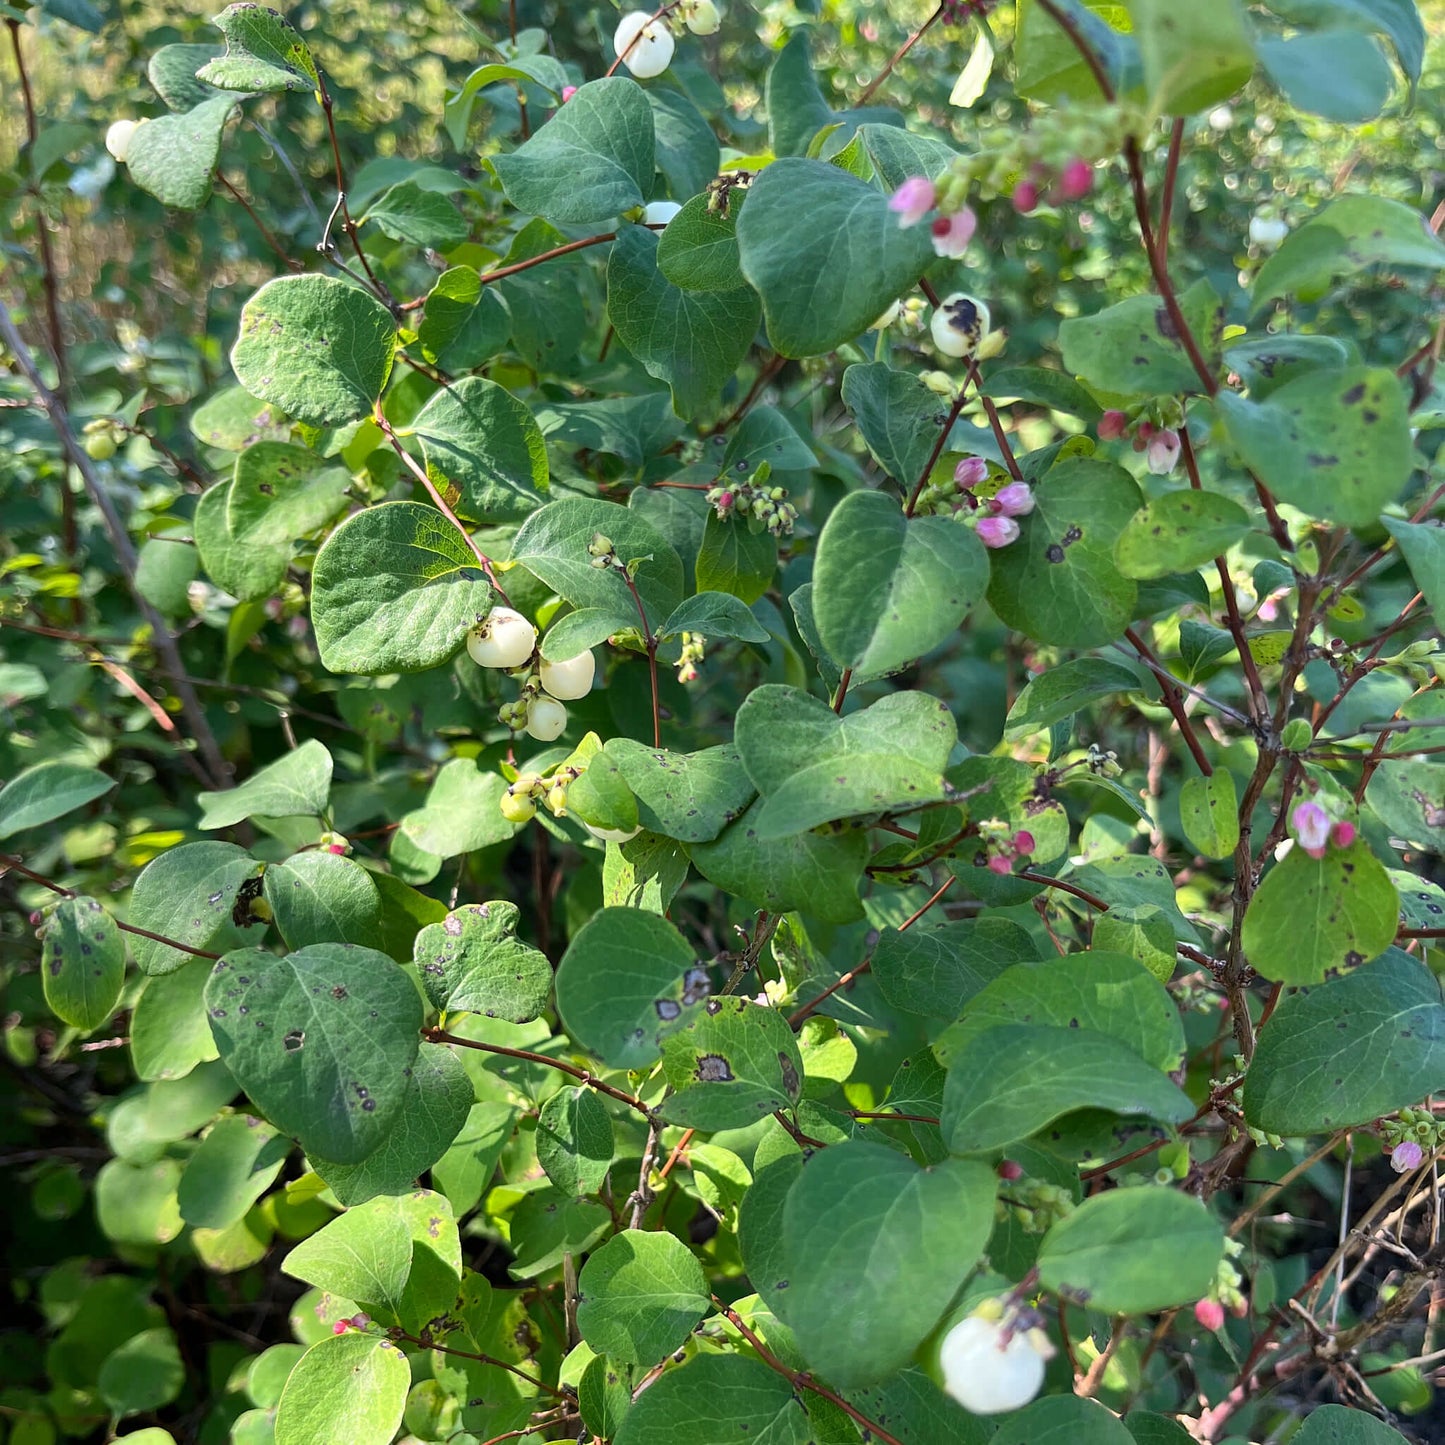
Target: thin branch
pixel 427 1343
pixel 651 643
pixel 939 444
pixel 899 54
pixel 1174 701
pixel 289 261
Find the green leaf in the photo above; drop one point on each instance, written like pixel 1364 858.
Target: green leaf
pixel 473 962
pixel 640 1295
pixel 1341 74
pixel 172 71
pixel 919 1413
pixel 574 1141
pixel 1335 444
pixel 1209 814
pixel 232 419
pixel 1266 363
pixel 464 1170
pixel 297 1034
pixel 699 249
pixel 409 212
pixel 1344 239
pixel 244 528
pixel 813 767
pixel 691 797
pixel 169 1034
pixel 350 1387
pixel 263 53
pixel 552 545
pixel 1133 1251
pixel 462 812
pixel 815 873
pixel 766 435
pixel 1014 1079
pixel 627 980
pixel 1058 583
pixel 484 450
pixel 1179 532
pixel 825 282
pixel 629 427
pixel 318 897
pixel 188 894
pixel 1409 798
pixel 319 348
pixel 1335 1425
pixel 730 1065
pixel 233 1166
pixel 889 588
pixel 1044 387
pixel 1059 692
pixel 868 1235
pixel 735 559
pixel 717 1397
pixel 82 963
pixel 1349 1050
pixel 395 589
pixel 173 157
pixel 1423 547
pixel 688 154
pixel 1063 1420
pixel 1049 65
pixel 136 1203
pixel 297 783
pixel 449 306
pixel 692 340
pixel 143 1374
pixel 602 798
pixel 46 791
pixel 1130 349
pixel 592 160
pixel 435 1105
pixel 795 104
pixel 1311 915
pixel 936 971
pixel 1194 56
pixel 714 614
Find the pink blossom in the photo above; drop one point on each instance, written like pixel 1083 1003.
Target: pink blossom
pixel 1023 843
pixel 1342 835
pixel 336 847
pixel 1113 425
pixel 1009 1169
pixel 1143 433
pixel 1163 451
pixel 913 200
pixel 1269 608
pixel 1025 197
pixel 340 1327
pixel 997 531
pixel 951 234
pixel 1014 500
pixel 1311 828
pixel 971 472
pixel 1406 1156
pixel 1077 180
pixel 1210 1314
pixel 568 91
pixel 1000 865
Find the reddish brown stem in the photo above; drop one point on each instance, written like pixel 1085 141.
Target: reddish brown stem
pixel 1174 701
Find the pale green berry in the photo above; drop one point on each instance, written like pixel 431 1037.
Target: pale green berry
pixel 571 678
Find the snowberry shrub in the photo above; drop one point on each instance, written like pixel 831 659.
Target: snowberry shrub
pixel 702 811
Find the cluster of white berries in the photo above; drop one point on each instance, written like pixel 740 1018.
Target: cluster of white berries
pixel 644 44
pixel 506 641
pixel 994 1360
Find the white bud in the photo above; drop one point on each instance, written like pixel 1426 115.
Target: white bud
pixel 117 137
pixel 652 53
pixel 505 639
pixel 571 678
pixel 959 325
pixel 613 835
pixel 1221 118
pixel 989 1370
pixel 659 213
pixel 702 18
pixel 546 719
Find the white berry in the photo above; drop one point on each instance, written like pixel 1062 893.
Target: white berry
pixel 571 678
pixel 1267 232
pixel 505 639
pixel 659 213
pixel 117 138
pixel 613 835
pixel 652 53
pixel 986 1373
pixel 959 325
pixel 546 718
pixel 702 17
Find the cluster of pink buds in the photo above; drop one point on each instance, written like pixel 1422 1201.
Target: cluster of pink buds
pixel 1316 832
pixel 1005 852
pixel 353 1322
pixel 1160 443
pixel 951 230
pixel 568 91
pixel 997 527
pixel 1070 182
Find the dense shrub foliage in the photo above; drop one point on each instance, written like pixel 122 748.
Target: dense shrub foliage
pixel 722 726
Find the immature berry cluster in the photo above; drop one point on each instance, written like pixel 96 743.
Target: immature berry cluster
pixel 507 642
pixel 1410 1136
pixel 693 649
pixel 766 508
pixel 1225 1293
pixel 531 790
pixel 1033 1204
pixel 1155 429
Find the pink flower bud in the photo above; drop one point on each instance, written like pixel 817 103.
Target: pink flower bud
pixel 1143 433
pixel 1014 500
pixel 1406 1156
pixel 336 847
pixel 913 200
pixel 1000 865
pixel 1025 197
pixel 1342 835
pixel 568 91
pixel 971 472
pixel 1113 425
pixel 340 1327
pixel 1163 451
pixel 1023 843
pixel 997 531
pixel 1077 180
pixel 360 1322
pixel 1210 1314
pixel 1311 828
pixel 1009 1169
pixel 951 234
pixel 1239 1308
pixel 725 502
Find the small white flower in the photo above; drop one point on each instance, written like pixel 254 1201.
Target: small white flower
pixel 569 679
pixel 505 639
pixel 651 53
pixel 659 213
pixel 990 1366
pixel 118 137
pixel 1221 118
